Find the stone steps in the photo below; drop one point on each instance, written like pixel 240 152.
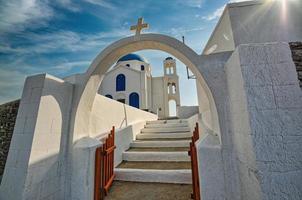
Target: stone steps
pixel 174 121
pixel 156 144
pixel 165 125
pixel 180 135
pixel 179 156
pixel 165 130
pixel 154 176
pixel 162 165
pixel 163 149
pixel 159 154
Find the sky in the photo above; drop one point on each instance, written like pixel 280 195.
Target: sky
pixel 62 37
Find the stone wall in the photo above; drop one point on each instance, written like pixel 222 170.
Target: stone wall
pixel 35 166
pixel 296 48
pixel 266 119
pixel 8 115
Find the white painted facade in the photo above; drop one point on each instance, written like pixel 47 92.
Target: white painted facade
pixel 256 22
pixel 154 93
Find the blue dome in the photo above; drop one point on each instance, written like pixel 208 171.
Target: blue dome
pixel 132 56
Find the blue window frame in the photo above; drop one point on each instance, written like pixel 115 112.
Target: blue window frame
pixel 120 82
pixel 134 100
pixel 109 96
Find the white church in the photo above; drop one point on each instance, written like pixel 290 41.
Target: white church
pixel 130 81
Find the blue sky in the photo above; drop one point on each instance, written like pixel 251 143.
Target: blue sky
pixel 62 37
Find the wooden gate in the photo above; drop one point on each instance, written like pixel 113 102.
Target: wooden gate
pixel 104 167
pixel 194 164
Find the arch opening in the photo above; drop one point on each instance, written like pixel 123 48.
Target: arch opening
pixel 112 53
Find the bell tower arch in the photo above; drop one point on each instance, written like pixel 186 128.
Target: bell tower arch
pixel 171 82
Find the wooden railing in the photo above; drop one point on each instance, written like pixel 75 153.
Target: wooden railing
pixel 194 164
pixel 104 167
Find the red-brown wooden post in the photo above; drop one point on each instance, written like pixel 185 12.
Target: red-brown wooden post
pixel 194 164
pixel 104 167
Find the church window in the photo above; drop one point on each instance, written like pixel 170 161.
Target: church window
pixel 134 100
pixel 169 88
pixel 128 65
pixel 172 70
pixel 108 96
pixel 120 82
pixel 142 68
pixel 173 88
pixel 167 70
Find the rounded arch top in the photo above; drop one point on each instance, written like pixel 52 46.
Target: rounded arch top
pixel 131 44
pixel 104 60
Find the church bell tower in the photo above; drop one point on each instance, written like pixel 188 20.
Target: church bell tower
pixel 171 85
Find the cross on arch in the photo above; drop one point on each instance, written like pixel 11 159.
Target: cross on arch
pixel 139 26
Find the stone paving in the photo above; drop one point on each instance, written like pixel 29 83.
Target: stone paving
pixel 122 190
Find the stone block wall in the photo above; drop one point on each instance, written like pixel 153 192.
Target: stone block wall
pixel 296 49
pixel 8 115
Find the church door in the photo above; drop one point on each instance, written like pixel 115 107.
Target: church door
pixel 134 100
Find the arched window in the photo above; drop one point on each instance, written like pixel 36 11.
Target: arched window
pixel 134 100
pixel 167 70
pixel 128 65
pixel 171 70
pixel 109 96
pixel 169 88
pixel 173 88
pixel 120 82
pixel 142 68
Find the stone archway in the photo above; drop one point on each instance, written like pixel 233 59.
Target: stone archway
pixel 210 81
pixel 86 92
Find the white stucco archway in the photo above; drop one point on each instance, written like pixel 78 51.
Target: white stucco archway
pixel 85 93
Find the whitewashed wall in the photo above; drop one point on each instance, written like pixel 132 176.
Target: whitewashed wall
pixel 35 164
pixel 185 112
pixel 107 113
pixel 266 109
pixel 159 96
pixel 242 22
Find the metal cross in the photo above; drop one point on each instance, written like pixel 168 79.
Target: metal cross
pixel 139 26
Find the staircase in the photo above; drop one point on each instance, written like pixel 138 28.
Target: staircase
pixel 159 154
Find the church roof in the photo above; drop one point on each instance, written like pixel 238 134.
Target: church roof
pixel 132 56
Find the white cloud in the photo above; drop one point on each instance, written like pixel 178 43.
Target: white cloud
pixel 66 66
pixel 218 12
pixel 18 14
pixel 62 41
pixel 101 3
pixel 68 4
pixel 180 31
pixel 191 3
